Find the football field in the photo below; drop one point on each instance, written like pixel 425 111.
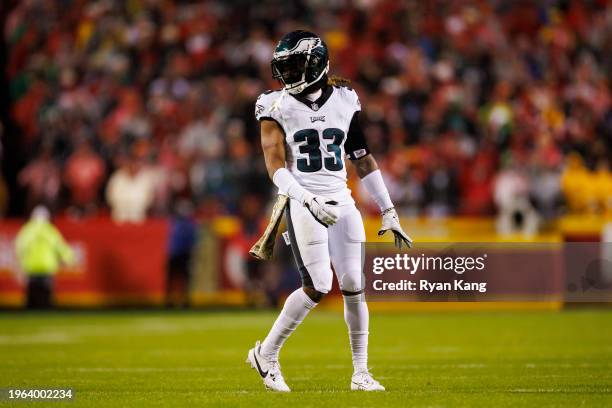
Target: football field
pixel 493 359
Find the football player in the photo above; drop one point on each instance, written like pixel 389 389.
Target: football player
pixel 307 129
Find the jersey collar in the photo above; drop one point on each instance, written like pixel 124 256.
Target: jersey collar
pixel 319 102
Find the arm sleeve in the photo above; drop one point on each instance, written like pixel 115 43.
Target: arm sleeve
pixel 285 181
pixel 356 146
pixel 375 185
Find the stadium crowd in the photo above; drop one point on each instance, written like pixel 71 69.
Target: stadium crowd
pixel 469 105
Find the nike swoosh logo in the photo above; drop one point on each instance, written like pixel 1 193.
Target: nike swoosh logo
pixel 360 384
pixel 263 373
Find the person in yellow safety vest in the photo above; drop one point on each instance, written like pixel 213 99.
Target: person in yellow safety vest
pixel 41 250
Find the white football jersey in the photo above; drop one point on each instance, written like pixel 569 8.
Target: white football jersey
pixel 315 137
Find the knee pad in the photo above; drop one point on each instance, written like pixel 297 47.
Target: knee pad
pixel 313 294
pixel 352 284
pixel 318 276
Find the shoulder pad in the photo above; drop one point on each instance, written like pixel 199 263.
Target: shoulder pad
pixel 349 94
pixel 265 105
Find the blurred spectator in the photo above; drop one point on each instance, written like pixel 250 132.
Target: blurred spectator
pixel 603 186
pixel 546 191
pixel 83 175
pixel 263 282
pixel 477 183
pixel 41 250
pixel 41 180
pixel 575 184
pixel 516 214
pixel 459 84
pixel 182 241
pixel 441 190
pixel 130 191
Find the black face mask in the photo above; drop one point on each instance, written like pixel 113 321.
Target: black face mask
pixel 289 69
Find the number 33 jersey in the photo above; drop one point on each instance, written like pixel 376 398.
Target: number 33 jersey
pixel 319 134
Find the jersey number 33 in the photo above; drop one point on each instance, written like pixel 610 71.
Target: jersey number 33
pixel 311 146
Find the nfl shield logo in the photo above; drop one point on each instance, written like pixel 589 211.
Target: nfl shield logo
pixel 314 107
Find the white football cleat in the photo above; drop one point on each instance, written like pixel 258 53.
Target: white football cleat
pixel 269 371
pixel 363 381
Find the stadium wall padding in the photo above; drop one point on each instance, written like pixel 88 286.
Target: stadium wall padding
pixel 124 264
pixel 116 264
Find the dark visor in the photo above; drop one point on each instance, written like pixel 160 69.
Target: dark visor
pixel 289 69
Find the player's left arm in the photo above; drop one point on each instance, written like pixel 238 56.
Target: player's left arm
pixel 369 173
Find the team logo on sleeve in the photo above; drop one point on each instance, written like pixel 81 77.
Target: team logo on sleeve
pixel 359 153
pixel 259 109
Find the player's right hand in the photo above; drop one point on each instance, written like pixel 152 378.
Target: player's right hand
pixel 323 209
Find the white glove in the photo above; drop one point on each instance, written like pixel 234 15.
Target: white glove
pixel 323 209
pixel 390 221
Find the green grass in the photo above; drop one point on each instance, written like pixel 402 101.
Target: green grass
pixel 196 359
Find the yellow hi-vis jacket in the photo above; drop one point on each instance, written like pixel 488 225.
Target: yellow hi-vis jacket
pixel 41 248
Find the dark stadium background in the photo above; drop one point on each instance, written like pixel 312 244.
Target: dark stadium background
pixel 492 121
pixel 133 123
